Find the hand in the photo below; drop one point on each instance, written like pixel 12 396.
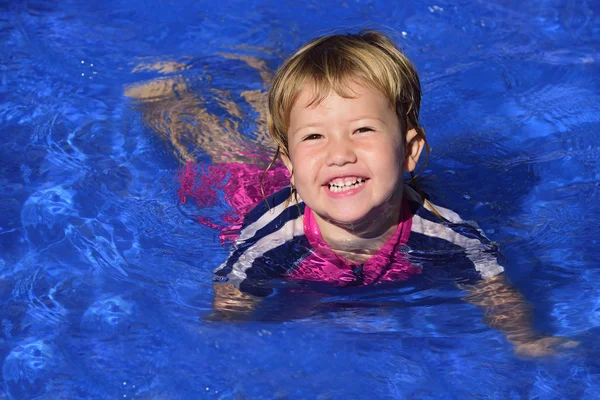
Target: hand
pixel 544 347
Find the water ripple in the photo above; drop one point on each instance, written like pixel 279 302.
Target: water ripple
pixel 37 292
pixel 96 243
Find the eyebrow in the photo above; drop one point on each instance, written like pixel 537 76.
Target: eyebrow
pixel 319 124
pixel 367 117
pixel 310 125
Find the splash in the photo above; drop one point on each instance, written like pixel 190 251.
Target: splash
pixel 235 184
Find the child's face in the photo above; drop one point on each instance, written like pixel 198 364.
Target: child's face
pixel 347 154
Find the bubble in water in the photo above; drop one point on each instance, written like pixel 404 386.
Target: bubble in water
pixel 107 315
pixel 46 205
pixel 26 368
pixel 44 213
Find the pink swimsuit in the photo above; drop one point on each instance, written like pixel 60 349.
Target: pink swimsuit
pixel 326 266
pixel 283 239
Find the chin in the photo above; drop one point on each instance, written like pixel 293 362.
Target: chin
pixel 347 219
pixel 354 216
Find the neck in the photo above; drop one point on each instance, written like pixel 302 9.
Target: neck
pixel 359 241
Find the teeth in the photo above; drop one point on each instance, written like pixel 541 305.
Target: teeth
pixel 341 185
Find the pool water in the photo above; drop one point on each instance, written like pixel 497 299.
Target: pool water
pixel 106 276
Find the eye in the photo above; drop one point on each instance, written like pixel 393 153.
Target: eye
pixel 364 129
pixel 312 136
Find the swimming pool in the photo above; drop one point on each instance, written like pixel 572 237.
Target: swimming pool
pixel 106 278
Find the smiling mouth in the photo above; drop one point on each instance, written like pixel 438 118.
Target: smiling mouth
pixel 343 184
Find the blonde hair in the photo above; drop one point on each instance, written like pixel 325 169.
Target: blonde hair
pixel 328 62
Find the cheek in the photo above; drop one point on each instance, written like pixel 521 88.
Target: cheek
pixel 298 169
pixel 388 158
pixel 304 163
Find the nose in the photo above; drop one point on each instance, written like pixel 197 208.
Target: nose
pixel 340 152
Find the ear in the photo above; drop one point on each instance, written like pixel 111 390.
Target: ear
pixel 412 152
pixel 288 164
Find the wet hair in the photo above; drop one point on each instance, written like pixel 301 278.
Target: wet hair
pixel 328 63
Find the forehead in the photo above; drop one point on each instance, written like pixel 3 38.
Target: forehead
pixel 351 92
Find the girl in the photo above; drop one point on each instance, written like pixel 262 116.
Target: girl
pixel 343 112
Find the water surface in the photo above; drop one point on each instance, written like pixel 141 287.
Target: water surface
pixel 105 277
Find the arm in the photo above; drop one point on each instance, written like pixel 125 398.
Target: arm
pixel 231 304
pixel 509 312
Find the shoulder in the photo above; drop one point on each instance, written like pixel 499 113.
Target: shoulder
pixel 268 234
pixel 270 216
pixel 438 229
pixel 273 204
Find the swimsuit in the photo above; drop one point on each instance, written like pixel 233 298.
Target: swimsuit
pixel 282 240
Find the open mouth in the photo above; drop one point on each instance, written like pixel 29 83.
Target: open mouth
pixel 344 184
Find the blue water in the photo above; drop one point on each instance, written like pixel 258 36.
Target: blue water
pixel 105 278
